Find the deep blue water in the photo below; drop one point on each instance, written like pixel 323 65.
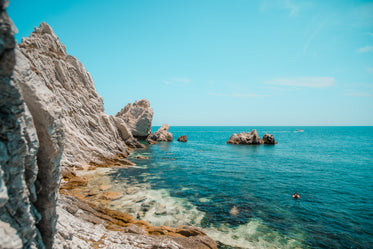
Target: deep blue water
pixel 330 167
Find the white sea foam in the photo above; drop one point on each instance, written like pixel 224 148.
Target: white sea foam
pixel 253 234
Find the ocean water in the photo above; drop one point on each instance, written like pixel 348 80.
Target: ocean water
pixel 241 195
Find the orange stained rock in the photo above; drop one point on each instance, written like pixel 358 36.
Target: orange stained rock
pixel 111 195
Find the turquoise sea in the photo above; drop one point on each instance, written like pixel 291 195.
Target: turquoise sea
pixel 241 195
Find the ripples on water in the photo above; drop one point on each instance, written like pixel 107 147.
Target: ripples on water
pixel 330 167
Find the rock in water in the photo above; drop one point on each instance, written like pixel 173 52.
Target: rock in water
pixel 269 139
pixel 245 138
pixel 182 139
pixel 234 211
pixel 161 135
pixel 138 118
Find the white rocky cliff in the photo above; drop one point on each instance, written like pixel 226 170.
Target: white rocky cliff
pixel 30 150
pixel 92 137
pixel 138 117
pixel 53 120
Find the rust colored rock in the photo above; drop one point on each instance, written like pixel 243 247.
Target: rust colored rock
pixel 111 195
pixel 75 181
pixel 182 138
pixel 92 192
pixel 105 187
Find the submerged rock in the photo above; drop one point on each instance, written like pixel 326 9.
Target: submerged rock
pixel 142 157
pixel 138 117
pixel 245 138
pixel 269 139
pixel 161 135
pixel 182 139
pixel 234 211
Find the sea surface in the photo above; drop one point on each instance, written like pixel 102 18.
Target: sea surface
pixel 241 195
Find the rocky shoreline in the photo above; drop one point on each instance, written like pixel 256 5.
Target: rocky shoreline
pixel 55 134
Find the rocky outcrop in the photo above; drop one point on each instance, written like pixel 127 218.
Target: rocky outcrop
pixel 269 139
pixel 91 135
pixel 251 138
pixel 138 117
pixel 31 143
pixel 245 138
pixel 161 135
pixel 182 138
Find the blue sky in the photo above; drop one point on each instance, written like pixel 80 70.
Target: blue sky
pixel 214 62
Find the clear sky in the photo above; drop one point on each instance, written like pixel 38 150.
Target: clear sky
pixel 221 62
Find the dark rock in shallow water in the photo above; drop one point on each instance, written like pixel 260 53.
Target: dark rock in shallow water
pixel 182 139
pixel 245 138
pixel 269 139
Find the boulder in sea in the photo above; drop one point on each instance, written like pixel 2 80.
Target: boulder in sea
pixel 182 139
pixel 138 117
pixel 161 135
pixel 245 138
pixel 269 139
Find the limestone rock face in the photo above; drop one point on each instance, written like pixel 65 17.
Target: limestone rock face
pixel 245 138
pixel 269 139
pixel 138 117
pixel 30 151
pixel 182 139
pixel 91 135
pixel 161 135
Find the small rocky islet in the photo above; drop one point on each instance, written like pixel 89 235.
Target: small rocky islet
pixel 251 138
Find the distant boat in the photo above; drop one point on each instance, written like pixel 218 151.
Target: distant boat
pixel 298 130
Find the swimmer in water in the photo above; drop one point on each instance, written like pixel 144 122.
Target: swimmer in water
pixel 296 195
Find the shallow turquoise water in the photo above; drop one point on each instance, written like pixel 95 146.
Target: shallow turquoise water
pixel 330 167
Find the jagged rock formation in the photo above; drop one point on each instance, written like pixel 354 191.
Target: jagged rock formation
pixel 30 150
pixel 245 138
pixel 91 135
pixel 182 139
pixel 161 135
pixel 251 138
pixel 269 139
pixel 138 117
